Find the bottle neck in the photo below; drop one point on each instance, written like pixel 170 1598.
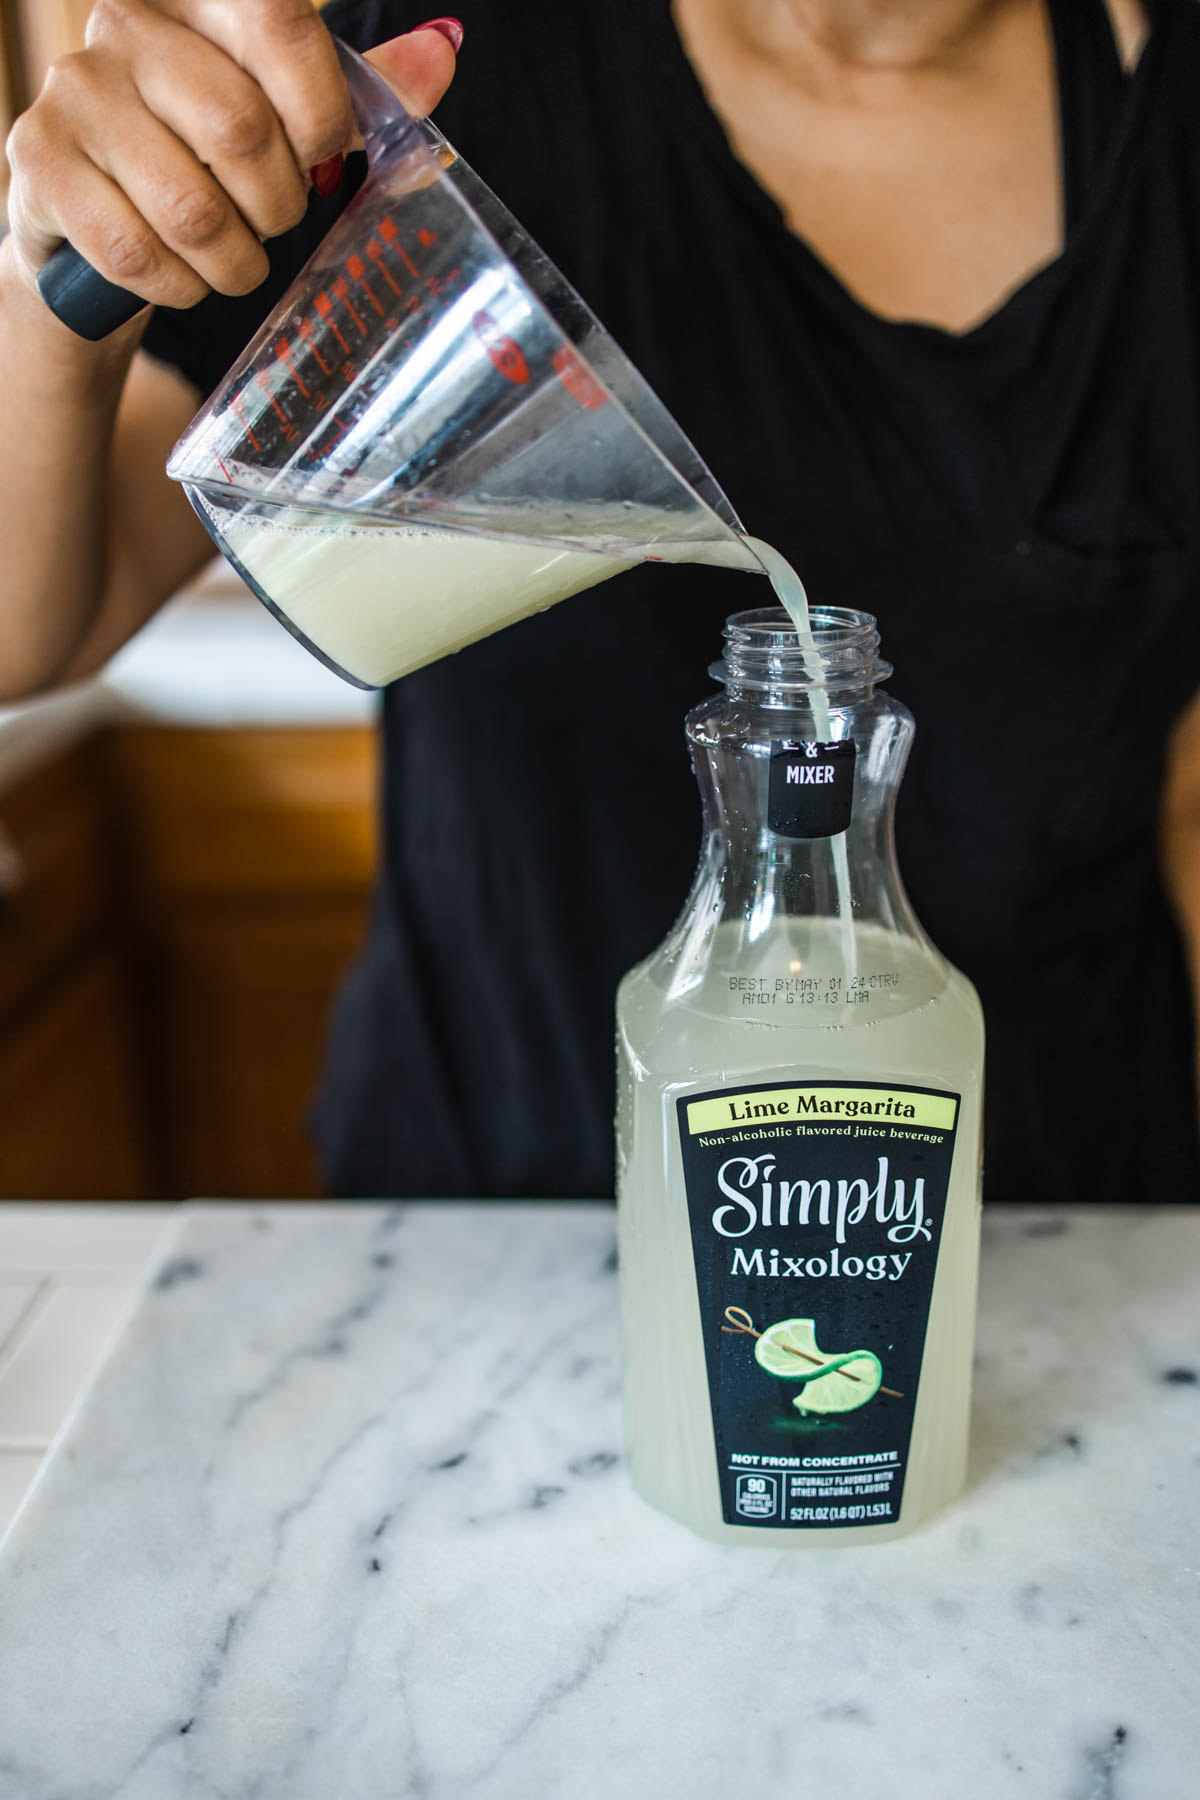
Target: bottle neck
pixel 768 663
pixel 799 763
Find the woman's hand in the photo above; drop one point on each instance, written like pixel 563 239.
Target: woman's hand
pixel 182 136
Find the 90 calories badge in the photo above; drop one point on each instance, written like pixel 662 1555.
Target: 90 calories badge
pixel 811 792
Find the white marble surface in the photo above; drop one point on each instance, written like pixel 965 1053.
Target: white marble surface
pixel 68 1273
pixel 344 1518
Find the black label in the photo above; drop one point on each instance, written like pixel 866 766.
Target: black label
pixel 812 788
pixel 816 1213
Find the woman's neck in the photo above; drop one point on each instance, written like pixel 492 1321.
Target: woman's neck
pixel 898 36
pixel 912 145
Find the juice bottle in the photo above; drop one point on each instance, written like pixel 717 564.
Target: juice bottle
pixel 799 1112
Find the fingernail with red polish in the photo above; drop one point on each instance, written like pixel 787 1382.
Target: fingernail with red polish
pixel 326 175
pixel 451 30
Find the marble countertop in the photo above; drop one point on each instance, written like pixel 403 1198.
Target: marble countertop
pixel 344 1517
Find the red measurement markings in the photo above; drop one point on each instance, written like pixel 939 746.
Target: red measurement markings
pixel 342 290
pixel 375 252
pixel 425 237
pixel 283 351
pixel 503 352
pixel 437 285
pixel 325 312
pixel 578 379
pixel 225 471
pixel 306 333
pixel 264 382
pixel 391 237
pixel 357 270
pixel 338 429
pixel 239 407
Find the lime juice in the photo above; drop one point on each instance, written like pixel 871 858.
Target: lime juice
pixel 380 600
pixel 919 1025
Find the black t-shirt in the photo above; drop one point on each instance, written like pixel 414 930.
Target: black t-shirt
pixel 1018 505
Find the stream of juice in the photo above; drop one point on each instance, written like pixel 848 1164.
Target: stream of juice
pixel 380 601
pixel 791 595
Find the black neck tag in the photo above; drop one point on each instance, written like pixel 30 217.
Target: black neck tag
pixel 812 788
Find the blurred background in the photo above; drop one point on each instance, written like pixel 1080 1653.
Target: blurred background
pixel 186 848
pixel 32 34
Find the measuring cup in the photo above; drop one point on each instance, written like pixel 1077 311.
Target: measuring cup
pixel 432 435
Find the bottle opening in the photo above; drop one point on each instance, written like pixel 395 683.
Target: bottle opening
pixel 765 653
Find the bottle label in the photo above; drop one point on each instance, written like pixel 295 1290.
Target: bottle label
pixel 816 1214
pixel 811 790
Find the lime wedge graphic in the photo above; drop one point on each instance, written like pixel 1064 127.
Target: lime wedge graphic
pixel 825 1390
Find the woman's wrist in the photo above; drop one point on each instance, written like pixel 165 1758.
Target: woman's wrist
pixel 95 369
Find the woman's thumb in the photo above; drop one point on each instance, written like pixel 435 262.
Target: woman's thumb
pixel 420 65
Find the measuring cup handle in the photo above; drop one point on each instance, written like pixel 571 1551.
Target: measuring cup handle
pixel 93 307
pixel 81 298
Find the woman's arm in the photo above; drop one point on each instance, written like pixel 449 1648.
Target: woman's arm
pixel 166 151
pixel 94 535
pixel 1181 840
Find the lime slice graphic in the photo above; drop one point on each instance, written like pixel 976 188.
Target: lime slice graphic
pixel 785 1350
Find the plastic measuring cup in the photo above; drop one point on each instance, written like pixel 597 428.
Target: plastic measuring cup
pixel 432 435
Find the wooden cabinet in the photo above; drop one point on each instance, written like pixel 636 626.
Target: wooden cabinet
pixel 247 859
pixel 205 814
pixel 189 901
pixel 53 876
pixel 70 1119
pixel 236 1010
